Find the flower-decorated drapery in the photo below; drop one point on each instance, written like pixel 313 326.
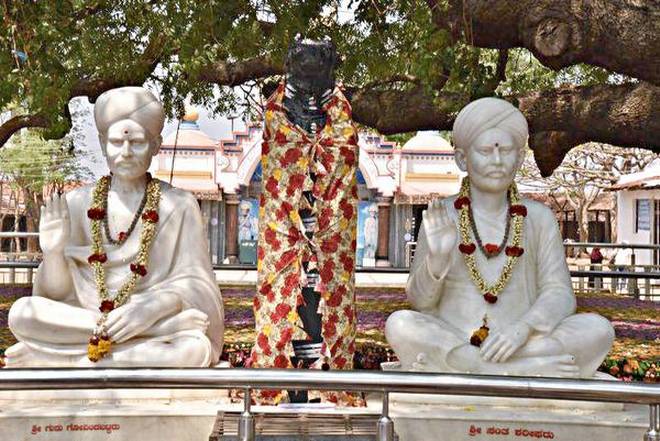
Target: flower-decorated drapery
pixel 294 162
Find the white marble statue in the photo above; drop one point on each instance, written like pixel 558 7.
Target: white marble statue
pixel 248 225
pixel 371 232
pixel 125 279
pixel 492 298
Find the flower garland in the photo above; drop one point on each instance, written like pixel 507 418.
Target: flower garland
pixel 100 343
pixel 517 213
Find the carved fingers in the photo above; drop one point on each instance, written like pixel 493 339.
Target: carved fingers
pixel 55 208
pixel 440 229
pixel 54 224
pixel 500 346
pixel 128 321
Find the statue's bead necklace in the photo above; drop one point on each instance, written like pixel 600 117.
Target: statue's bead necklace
pixel 516 213
pixel 489 252
pixel 124 235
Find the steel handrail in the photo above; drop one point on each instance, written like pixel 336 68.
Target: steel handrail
pixel 386 382
pixel 574 273
pixel 638 246
pixel 370 381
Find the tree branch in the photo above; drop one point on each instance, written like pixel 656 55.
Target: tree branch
pixel 623 115
pixel 384 110
pixel 17 123
pixel 620 35
pixel 233 74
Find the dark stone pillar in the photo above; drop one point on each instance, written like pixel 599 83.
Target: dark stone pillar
pixel 383 248
pixel 231 227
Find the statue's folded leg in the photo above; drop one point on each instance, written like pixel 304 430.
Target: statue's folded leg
pixel 51 333
pixel 421 339
pixel 183 349
pixel 588 337
pixel 36 320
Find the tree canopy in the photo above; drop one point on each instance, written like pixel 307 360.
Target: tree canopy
pixel 580 70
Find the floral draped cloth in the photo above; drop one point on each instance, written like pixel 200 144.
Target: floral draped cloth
pixel 289 157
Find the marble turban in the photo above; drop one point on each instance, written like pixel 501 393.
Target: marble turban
pixel 488 113
pixel 134 103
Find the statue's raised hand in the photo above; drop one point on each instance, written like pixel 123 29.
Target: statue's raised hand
pixel 441 233
pixel 54 225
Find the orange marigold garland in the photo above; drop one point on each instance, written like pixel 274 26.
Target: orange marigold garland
pixel 467 247
pixel 100 343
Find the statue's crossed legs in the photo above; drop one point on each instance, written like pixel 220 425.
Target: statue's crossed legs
pixel 53 334
pixel 575 348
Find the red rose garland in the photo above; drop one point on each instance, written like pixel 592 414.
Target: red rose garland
pixel 100 344
pixel 467 248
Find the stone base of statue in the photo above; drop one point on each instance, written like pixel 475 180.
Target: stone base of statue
pixel 191 415
pixel 422 422
pixel 111 414
pixel 156 415
pixel 420 417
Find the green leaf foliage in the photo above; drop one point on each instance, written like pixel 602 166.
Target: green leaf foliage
pixel 49 47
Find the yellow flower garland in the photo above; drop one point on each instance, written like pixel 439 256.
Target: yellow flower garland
pixel 464 226
pixel 100 344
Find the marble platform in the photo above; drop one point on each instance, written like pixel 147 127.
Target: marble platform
pixel 425 422
pixel 123 415
pixel 86 415
pixel 421 417
pixel 189 415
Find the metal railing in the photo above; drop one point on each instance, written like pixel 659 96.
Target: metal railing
pixel 640 281
pixel 352 381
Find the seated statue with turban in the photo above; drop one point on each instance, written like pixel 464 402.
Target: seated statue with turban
pixel 126 279
pixel 489 280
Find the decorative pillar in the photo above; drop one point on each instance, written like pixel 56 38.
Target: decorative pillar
pixel 231 227
pixel 383 248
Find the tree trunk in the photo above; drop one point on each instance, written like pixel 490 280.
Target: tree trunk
pixel 619 35
pixel 17 228
pixel 582 218
pixel 32 212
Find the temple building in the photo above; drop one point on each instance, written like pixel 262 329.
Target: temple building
pixel 638 217
pixel 395 185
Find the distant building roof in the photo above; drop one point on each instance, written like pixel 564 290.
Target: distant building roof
pixel 647 179
pixel 189 135
pixel 428 142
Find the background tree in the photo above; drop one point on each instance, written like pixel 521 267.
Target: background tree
pixel 35 168
pixel 580 71
pixel 586 172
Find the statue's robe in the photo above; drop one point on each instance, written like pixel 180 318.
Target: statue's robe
pixel 540 293
pixel 178 263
